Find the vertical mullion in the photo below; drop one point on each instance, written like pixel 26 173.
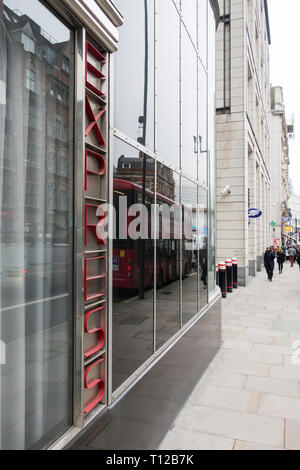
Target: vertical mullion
pixel 79 211
pixel 155 178
pixel 109 310
pixel 180 156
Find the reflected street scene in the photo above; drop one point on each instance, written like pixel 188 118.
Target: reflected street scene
pixel 159 257
pixel 36 225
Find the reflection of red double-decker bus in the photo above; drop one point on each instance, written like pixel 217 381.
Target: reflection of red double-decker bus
pixel 128 254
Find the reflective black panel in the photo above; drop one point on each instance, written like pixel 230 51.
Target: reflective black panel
pixel 167 255
pixel 133 72
pixel 168 83
pixel 202 231
pixel 202 126
pixel 189 129
pixel 133 261
pixel 189 251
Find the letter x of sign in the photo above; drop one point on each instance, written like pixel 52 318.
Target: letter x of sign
pixel 94 118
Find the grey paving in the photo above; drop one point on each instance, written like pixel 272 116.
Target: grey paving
pixel 249 398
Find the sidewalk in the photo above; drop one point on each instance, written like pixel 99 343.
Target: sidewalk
pixel 249 398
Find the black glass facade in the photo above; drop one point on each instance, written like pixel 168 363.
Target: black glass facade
pixel 164 155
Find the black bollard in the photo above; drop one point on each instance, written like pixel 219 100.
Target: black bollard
pixel 229 275
pixel 217 275
pixel 223 279
pixel 235 273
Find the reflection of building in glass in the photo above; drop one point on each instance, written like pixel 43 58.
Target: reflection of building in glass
pixel 132 169
pixel 43 112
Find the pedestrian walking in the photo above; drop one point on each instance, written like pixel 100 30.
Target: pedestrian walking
pixel 269 262
pixel 298 258
pixel 280 260
pixel 292 254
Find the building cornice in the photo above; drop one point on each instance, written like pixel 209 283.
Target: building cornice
pixel 111 11
pixel 216 8
pixel 268 21
pixel 100 17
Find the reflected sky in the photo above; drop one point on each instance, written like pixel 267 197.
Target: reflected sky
pixel 38 13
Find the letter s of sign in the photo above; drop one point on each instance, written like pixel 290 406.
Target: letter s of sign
pixel 96 382
pixel 296 353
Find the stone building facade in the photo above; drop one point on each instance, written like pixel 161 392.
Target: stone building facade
pixel 281 191
pixel 243 133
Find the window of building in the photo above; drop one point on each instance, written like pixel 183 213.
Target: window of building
pixel 28 43
pixel 63 198
pixel 126 165
pixel 32 195
pixel 63 164
pixel 51 196
pixel 8 190
pixel 66 66
pixel 51 160
pixel 31 78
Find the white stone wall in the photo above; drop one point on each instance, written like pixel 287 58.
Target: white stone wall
pixel 243 137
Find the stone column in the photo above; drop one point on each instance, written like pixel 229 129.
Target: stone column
pixel 259 221
pixel 253 204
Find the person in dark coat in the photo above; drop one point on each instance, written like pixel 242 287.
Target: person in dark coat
pixel 269 262
pixel 298 257
pixel 280 260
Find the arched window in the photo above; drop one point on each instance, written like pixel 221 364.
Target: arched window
pixel 58 128
pixel 31 78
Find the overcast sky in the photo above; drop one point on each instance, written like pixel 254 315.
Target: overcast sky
pixel 285 68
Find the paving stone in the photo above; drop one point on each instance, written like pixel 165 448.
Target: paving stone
pixel 258 339
pixel 284 325
pixel 285 372
pixel 292 435
pixel 283 341
pixel 238 345
pixel 280 407
pixel 273 333
pixel 221 397
pixel 226 379
pixel 252 356
pixel 181 439
pixel 233 425
pixel 273 349
pixel 288 388
pixel 241 445
pixel 244 367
